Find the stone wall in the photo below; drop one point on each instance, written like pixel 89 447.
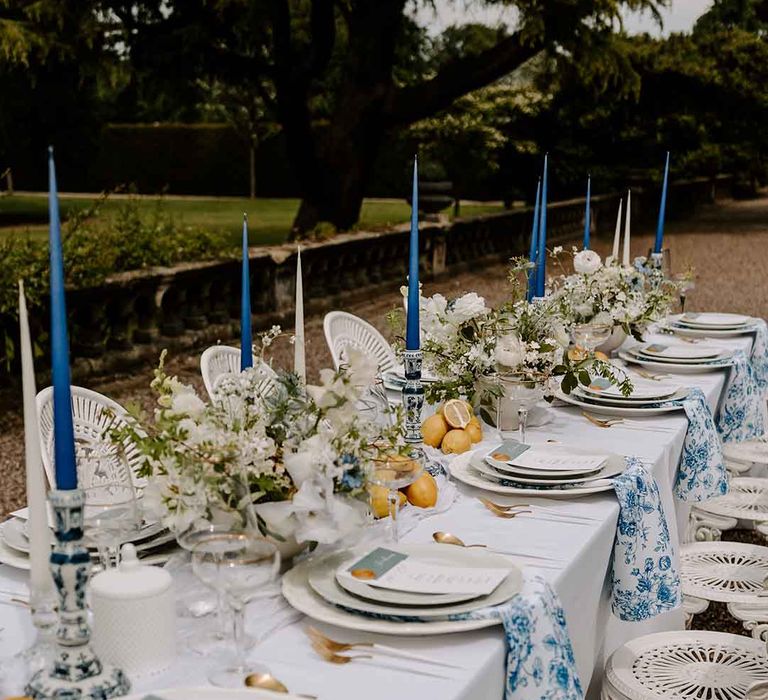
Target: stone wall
pixel 133 315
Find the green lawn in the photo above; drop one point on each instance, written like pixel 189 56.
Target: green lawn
pixel 268 219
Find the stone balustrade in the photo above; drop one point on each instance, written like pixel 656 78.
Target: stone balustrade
pixel 133 315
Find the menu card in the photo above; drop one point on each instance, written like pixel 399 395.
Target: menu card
pixel 553 458
pixel 385 568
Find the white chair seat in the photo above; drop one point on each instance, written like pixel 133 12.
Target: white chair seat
pixel 343 330
pixel 220 360
pixel 747 452
pixel 99 460
pixel 726 572
pixel 695 665
pixel 746 500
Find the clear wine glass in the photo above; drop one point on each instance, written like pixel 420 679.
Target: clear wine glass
pixel 112 515
pixel 241 566
pixel 685 284
pixel 520 393
pixel 589 336
pixel 394 473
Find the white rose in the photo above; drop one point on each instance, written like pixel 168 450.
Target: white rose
pixel 561 335
pixel 187 403
pixel 509 352
pixel 469 306
pixel 586 262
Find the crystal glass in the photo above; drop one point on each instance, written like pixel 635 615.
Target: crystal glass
pixel 685 284
pixel 394 473
pixel 519 393
pixel 112 516
pixel 590 336
pixel 240 566
pixel 373 405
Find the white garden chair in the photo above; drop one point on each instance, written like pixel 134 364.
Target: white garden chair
pixel 99 460
pixel 220 360
pixel 343 330
pixel 681 665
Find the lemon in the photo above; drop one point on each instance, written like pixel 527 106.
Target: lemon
pixel 456 442
pixel 457 413
pixel 380 500
pixel 422 493
pixel 475 430
pixel 601 356
pixel 433 430
pixel 577 354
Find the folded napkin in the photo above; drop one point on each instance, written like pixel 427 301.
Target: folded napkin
pixel 645 581
pixel 742 411
pixel 760 354
pixel 540 661
pixel 701 474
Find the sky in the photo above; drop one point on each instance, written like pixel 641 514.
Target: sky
pixel 679 17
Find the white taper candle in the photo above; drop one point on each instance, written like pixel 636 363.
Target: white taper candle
pixel 625 257
pixel 299 353
pixel 617 235
pixel 41 582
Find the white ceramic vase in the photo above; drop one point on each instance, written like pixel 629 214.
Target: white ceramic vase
pixel 614 342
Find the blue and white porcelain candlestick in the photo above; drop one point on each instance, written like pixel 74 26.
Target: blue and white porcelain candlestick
pixel 76 671
pixel 413 396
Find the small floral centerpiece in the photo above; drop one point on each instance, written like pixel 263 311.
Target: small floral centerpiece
pixel 268 452
pixel 629 298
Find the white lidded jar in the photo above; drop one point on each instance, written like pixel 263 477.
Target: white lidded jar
pixel 134 616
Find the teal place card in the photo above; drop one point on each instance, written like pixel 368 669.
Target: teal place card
pixel 379 561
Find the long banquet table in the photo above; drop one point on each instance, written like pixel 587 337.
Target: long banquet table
pixel 574 556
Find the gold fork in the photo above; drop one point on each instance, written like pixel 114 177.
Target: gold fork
pixel 332 646
pixel 500 511
pixel 649 375
pixel 602 422
pixel 334 658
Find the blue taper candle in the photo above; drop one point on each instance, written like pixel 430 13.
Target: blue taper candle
pixel 587 214
pixel 534 243
pixel 246 337
pixel 541 273
pixel 64 436
pixel 412 340
pixel 662 207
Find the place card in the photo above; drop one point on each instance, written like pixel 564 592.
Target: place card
pixel 385 568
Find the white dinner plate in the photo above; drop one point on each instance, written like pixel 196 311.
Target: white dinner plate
pixel 461 469
pixel 642 390
pixel 300 596
pixel 13 557
pixel 385 595
pixel 713 320
pixel 619 411
pixel 518 463
pixel 623 403
pixel 674 353
pixel 323 575
pixel 13 533
pixel 212 693
pixel 722 355
pixel 682 329
pixel 676 368
pixel 613 467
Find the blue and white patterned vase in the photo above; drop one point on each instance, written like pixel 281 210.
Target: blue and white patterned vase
pixel 413 396
pixel 76 672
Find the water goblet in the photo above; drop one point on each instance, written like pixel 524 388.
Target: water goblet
pixel 241 566
pixel 520 392
pixel 395 472
pixel 589 336
pixel 685 284
pixel 111 516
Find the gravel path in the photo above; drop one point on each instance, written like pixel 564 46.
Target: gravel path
pixel 726 243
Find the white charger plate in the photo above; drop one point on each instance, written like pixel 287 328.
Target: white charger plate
pixel 713 320
pixel 462 470
pixel 612 468
pixel 322 578
pixel 682 329
pixel 676 368
pixel 212 693
pixel 619 411
pixel 624 403
pixel 675 353
pixel 300 596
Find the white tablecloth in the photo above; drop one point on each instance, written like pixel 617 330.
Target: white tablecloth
pixel 575 560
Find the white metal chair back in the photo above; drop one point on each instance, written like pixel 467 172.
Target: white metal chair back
pixel 219 360
pixel 99 460
pixel 343 330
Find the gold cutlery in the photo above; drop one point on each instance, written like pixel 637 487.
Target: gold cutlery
pixel 334 658
pixel 448 538
pixel 266 681
pixel 334 647
pixel 649 375
pixel 602 422
pixel 500 511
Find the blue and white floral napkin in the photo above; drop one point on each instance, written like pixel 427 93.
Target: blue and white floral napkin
pixel 644 579
pixel 742 411
pixel 540 660
pixel 701 474
pixel 760 354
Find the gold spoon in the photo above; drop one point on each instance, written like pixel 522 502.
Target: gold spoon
pixel 266 681
pixel 448 538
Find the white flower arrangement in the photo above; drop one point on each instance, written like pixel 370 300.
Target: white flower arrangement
pixel 267 453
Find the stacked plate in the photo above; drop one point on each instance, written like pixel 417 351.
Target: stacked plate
pixel 677 358
pixel 402 589
pixel 153 542
pixel 395 379
pixel 713 324
pixel 551 470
